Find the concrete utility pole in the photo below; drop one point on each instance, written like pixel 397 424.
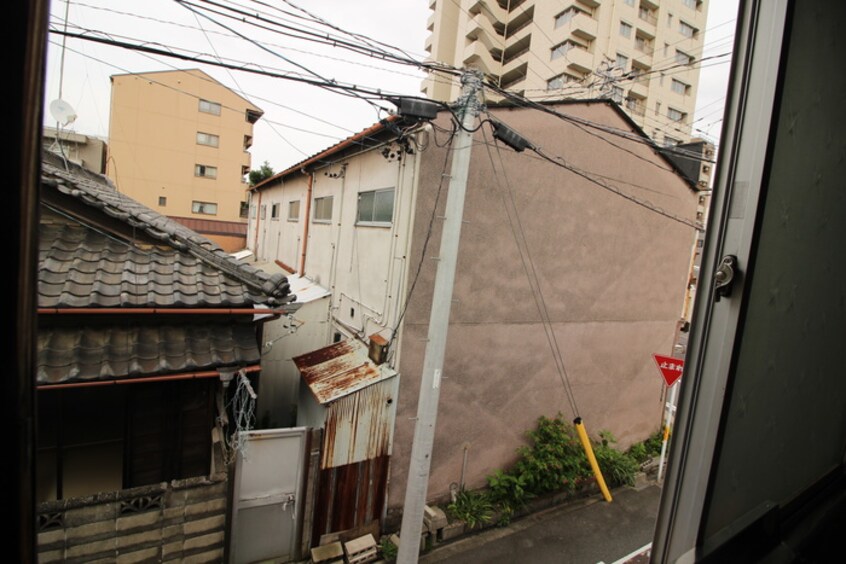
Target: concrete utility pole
pixel 468 110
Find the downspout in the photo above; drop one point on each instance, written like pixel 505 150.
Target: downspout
pixel 306 221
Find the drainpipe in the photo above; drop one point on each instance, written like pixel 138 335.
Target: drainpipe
pixel 306 221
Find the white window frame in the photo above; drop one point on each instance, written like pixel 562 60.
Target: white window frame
pixel 321 204
pixel 372 207
pixel 294 210
pixel 205 171
pixel 687 30
pixel 626 29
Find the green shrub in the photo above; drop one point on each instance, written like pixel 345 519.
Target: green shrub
pixel 555 460
pixel 508 493
pixel 617 468
pixel 389 549
pixel 474 508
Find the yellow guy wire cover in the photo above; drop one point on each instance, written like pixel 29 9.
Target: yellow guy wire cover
pixel 583 436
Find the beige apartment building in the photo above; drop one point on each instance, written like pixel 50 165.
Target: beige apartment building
pixel 641 53
pixel 179 143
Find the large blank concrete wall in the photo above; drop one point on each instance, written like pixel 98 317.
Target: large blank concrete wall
pixel 612 274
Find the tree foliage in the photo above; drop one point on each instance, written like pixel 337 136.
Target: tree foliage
pixel 261 174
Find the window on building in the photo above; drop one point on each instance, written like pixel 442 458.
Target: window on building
pixel 690 3
pixel 162 201
pixel 564 17
pixel 562 48
pixel 208 107
pixel 205 171
pixel 643 44
pixel 680 87
pixel 670 141
pixel 558 82
pixel 108 438
pixel 253 211
pixel 294 210
pixel 669 20
pixel 209 139
pixel 263 213
pixel 647 14
pixel 625 29
pixel 617 94
pixel 686 29
pixel 630 2
pixel 683 58
pixel 376 206
pixel 676 115
pixel 244 210
pixel 323 209
pixel 657 108
pixel 274 211
pixel 206 208
pixel 622 61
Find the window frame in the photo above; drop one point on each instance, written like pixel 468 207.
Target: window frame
pixel 209 107
pixel 320 205
pixel 374 222
pixel 197 207
pixel 627 26
pixel 208 139
pixel 274 211
pixel 294 217
pixel 201 170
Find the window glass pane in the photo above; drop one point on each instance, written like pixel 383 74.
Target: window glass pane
pixel 323 209
pixel 384 206
pixel 294 210
pixel 365 206
pixel 207 139
pixel 209 107
pixel 207 208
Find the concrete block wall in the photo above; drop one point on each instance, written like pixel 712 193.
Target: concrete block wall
pixel 184 520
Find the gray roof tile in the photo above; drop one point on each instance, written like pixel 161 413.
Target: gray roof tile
pixel 127 349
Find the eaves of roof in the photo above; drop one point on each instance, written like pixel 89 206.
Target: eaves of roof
pixel 374 129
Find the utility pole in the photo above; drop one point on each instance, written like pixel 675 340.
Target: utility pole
pixel 468 108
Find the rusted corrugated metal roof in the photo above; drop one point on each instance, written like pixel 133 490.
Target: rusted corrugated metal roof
pixel 339 370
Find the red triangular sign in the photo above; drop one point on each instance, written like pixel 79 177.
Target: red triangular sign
pixel 671 368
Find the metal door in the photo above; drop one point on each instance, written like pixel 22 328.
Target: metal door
pixel 267 508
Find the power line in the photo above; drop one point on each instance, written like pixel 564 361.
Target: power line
pixel 271 44
pixel 528 264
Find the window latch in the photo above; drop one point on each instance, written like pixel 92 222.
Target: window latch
pixel 724 277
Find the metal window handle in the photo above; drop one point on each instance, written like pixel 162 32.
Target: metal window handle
pixel 724 277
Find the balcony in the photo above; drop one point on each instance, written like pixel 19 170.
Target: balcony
pixel 430 23
pixel 581 25
pixel 580 60
pixel 643 45
pixel 635 106
pixel 648 16
pixel 478 56
pixel 640 87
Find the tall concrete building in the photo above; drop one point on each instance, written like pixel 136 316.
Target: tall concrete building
pixel 179 143
pixel 641 53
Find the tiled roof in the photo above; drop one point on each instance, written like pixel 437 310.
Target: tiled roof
pixel 81 267
pixel 128 349
pixel 97 192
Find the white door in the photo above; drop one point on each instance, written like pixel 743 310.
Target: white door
pixel 266 513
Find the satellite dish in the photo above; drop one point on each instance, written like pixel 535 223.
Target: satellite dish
pixel 62 112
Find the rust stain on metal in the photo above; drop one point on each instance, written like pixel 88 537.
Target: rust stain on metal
pixel 337 370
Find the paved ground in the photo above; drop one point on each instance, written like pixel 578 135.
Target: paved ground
pixel 587 532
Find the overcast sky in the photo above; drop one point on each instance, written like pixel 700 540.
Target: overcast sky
pixel 299 120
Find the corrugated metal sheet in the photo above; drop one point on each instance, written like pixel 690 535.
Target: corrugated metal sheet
pixel 339 370
pixel 360 402
pixel 360 426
